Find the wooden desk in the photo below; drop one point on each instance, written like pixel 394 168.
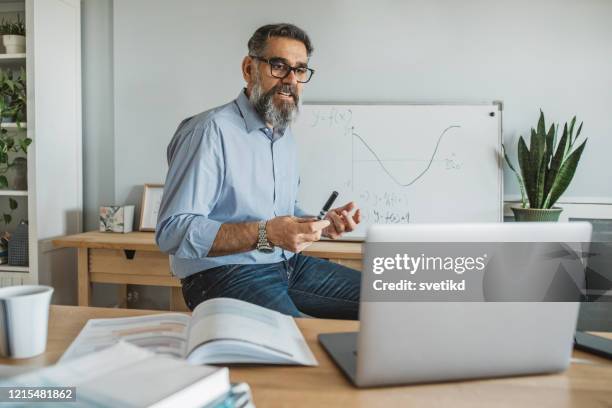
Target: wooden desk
pixel 135 259
pixel 583 385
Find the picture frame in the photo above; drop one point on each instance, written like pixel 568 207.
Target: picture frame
pixel 149 207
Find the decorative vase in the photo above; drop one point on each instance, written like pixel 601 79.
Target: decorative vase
pixel 536 214
pixel 14 44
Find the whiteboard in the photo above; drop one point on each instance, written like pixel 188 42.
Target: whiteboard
pixel 402 163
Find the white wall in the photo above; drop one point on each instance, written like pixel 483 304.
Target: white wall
pixel 147 64
pixel 98 122
pixel 173 59
pixel 176 58
pixel 98 119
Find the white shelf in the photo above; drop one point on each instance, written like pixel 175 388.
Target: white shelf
pixel 14 193
pixel 9 268
pixel 13 125
pixel 10 6
pixel 12 57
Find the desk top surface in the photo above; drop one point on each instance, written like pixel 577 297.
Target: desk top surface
pixel 145 241
pixel 587 384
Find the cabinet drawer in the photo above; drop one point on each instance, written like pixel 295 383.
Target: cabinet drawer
pixel 114 261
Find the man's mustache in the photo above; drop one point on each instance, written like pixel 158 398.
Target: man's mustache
pixel 285 88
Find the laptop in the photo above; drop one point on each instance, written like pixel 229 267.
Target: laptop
pixel 417 342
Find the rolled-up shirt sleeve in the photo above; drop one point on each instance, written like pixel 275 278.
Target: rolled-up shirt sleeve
pixel 192 187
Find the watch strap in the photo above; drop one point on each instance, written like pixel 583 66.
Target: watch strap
pixel 263 244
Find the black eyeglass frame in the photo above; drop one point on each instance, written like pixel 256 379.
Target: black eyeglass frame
pixel 267 61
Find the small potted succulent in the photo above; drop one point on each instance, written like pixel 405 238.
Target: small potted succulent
pixel 13 36
pixel 547 167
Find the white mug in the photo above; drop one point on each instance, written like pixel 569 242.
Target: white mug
pixel 24 317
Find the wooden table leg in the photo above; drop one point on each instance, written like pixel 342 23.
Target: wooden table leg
pixel 177 302
pixel 83 283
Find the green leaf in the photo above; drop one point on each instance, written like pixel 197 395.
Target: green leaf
pixel 13 203
pixel 535 181
pixel 571 130
pixel 533 142
pixel 541 124
pixel 568 143
pixel 3 181
pixel 540 182
pixel 564 177
pixel 579 130
pixel 550 142
pixel 524 163
pixel 557 158
pixel 518 177
pixel 551 171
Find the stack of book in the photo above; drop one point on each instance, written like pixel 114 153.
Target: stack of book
pixel 157 360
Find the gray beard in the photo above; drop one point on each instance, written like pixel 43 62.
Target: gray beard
pixel 279 118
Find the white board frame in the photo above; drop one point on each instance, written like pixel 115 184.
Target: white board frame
pixel 496 104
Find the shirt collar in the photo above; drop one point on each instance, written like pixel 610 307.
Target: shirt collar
pixel 252 119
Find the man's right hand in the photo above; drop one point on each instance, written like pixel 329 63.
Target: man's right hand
pixel 294 234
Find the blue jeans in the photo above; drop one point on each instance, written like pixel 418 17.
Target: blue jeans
pixel 298 286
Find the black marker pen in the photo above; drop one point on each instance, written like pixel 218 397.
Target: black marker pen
pixel 327 205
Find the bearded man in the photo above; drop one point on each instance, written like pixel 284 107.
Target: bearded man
pixel 229 213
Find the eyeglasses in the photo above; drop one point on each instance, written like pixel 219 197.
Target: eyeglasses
pixel 280 69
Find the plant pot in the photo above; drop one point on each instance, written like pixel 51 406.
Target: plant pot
pixel 14 44
pixel 536 214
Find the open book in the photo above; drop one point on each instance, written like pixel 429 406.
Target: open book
pixel 220 331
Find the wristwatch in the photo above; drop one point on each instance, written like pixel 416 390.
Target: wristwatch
pixel 263 245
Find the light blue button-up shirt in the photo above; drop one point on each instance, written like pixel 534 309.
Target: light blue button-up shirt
pixel 225 166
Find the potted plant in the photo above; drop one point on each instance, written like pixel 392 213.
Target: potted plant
pixel 13 144
pixel 13 96
pixel 13 36
pixel 545 170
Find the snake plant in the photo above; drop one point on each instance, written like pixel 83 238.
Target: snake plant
pixel 545 170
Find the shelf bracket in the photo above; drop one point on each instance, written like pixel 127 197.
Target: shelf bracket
pixel 130 253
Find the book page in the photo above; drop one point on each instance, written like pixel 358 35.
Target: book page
pixel 160 333
pixel 238 322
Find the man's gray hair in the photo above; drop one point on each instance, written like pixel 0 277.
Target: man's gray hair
pixel 257 42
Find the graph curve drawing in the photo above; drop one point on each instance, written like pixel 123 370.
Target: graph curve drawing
pixel 380 161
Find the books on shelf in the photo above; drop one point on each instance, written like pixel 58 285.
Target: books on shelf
pixel 124 375
pixel 220 331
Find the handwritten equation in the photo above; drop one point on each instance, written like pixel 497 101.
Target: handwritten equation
pixel 384 208
pixel 332 117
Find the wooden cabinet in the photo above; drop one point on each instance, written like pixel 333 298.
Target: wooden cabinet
pixel 134 259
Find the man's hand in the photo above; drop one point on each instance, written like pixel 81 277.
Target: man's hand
pixel 294 234
pixel 343 219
